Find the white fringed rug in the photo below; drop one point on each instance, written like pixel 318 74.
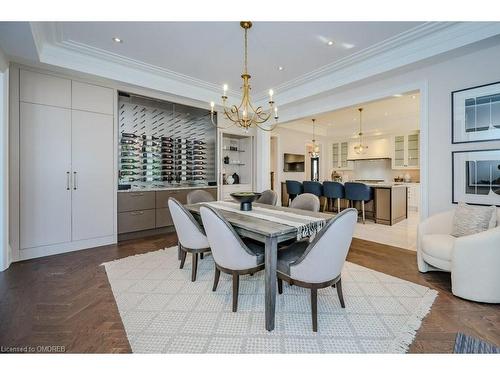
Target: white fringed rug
pixel 164 312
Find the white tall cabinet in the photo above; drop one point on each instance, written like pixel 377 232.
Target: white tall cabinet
pixel 66 175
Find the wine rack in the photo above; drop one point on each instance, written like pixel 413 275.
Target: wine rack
pixel 164 144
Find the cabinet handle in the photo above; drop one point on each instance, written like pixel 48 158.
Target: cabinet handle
pixel 74 181
pixel 136 194
pixel 67 180
pixel 136 213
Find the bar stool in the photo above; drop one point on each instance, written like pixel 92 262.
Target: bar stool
pixel 357 191
pixel 333 190
pixel 313 187
pixel 293 189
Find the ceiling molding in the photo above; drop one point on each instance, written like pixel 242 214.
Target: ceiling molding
pixel 421 42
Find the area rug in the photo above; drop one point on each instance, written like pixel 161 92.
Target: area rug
pixel 164 312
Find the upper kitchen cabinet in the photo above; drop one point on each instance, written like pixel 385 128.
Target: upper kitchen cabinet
pixel 378 148
pixel 44 89
pixel 92 98
pixel 339 156
pixel 406 151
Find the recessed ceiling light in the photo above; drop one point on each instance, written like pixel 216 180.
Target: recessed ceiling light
pixel 398 95
pixel 330 42
pixel 117 40
pixel 280 68
pixel 413 96
pixel 347 45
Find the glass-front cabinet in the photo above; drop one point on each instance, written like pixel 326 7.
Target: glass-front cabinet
pixel 406 151
pixel 339 156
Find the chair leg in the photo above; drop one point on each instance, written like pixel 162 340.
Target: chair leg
pixel 201 255
pixel 183 258
pixel 280 286
pixel 324 205
pixel 216 279
pixel 179 251
pixel 340 294
pixel 236 284
pixel 194 267
pixel 314 309
pixel 338 205
pixel 363 210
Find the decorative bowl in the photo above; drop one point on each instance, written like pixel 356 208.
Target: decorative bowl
pixel 245 199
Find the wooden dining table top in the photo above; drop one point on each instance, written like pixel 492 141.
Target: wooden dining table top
pixel 258 228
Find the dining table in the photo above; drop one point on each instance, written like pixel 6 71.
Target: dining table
pixel 269 232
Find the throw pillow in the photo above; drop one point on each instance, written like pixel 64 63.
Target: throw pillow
pixel 473 219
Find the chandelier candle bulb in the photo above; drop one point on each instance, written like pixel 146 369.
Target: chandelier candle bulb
pixel 271 93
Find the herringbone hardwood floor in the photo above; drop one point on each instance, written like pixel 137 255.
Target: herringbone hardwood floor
pixel 66 300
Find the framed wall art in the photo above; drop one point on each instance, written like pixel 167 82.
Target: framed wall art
pixel 476 177
pixel 476 114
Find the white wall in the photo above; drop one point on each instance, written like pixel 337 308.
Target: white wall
pixel 4 136
pixel 473 68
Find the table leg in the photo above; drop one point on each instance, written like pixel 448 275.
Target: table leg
pixel 271 253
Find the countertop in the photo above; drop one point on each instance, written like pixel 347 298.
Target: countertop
pixel 158 188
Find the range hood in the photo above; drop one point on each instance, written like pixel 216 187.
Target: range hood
pixel 368 157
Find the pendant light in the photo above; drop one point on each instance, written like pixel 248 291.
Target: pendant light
pixel 360 148
pixel 315 148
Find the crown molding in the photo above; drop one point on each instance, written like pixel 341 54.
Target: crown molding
pixel 422 42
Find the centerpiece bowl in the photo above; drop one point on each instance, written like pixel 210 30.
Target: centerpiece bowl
pixel 245 199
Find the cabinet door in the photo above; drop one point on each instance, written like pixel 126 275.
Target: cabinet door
pixel 93 175
pixel 44 89
pixel 413 151
pixel 45 164
pixel 335 156
pixel 343 154
pixel 92 98
pixel 399 151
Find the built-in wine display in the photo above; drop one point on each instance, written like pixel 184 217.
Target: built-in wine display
pixel 164 144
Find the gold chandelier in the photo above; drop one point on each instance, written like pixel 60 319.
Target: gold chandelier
pixel 245 114
pixel 315 148
pixel 360 148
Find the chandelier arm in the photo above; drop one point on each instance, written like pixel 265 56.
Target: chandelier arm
pixel 267 129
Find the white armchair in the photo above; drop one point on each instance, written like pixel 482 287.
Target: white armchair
pixel 474 261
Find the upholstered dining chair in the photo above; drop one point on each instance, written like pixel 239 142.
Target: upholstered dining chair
pixel 293 188
pixel 306 201
pixel 231 254
pixel 357 191
pixel 199 196
pixel 191 237
pixel 333 190
pixel 268 197
pixel 319 264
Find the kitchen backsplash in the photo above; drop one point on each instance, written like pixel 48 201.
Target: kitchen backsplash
pixel 377 170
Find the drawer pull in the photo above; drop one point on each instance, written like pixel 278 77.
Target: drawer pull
pixel 136 194
pixel 137 213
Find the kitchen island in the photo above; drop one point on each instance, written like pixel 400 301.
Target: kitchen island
pixel 390 204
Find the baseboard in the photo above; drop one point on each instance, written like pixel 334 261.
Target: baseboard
pixel 145 233
pixel 42 251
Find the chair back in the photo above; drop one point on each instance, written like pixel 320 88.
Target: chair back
pixel 313 187
pixel 294 187
pixel 357 191
pixel 228 249
pixel 325 256
pixel 333 190
pixel 268 197
pixel 306 201
pixel 199 196
pixel 189 232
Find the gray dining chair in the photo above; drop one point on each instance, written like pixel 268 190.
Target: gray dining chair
pixel 231 254
pixel 318 264
pixel 268 197
pixel 191 236
pixel 199 196
pixel 306 201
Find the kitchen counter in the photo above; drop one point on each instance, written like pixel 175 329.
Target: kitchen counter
pixel 172 187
